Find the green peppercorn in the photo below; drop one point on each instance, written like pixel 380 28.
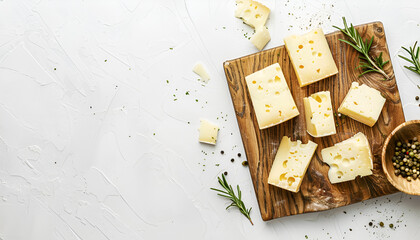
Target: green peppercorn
pixel 381 224
pixel 399 144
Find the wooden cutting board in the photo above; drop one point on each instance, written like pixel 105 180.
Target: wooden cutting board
pixel 316 192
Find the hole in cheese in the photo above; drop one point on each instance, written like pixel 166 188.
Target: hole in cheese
pixel 285 164
pixel 338 157
pixel 280 113
pixel 328 109
pixel 355 103
pixel 267 106
pixel 257 15
pixel 297 50
pixel 352 158
pixel 277 79
pixel 294 107
pixel 326 115
pixel 283 177
pixel 278 69
pixel 260 88
pixel 316 32
pixel 254 82
pixel 300 46
pixel 277 92
pixel 313 53
pixel 290 180
pixel 270 81
pixel 311 42
pixel 339 174
pixel 319 54
pixel 318 70
pixel 318 99
pixel 267 110
pixel 301 66
pixel 346 161
pixel 256 7
pixel 334 166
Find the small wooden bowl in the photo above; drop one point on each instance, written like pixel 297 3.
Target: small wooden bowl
pixel 403 132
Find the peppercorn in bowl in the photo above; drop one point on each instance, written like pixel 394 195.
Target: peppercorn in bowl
pixel 401 157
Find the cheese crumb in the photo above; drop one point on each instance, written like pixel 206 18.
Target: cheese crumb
pixel 202 72
pixel 208 132
pixel 261 38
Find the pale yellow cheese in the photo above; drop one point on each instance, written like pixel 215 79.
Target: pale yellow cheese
pixel 202 72
pixel 311 57
pixel 319 114
pixel 363 104
pixel 260 38
pixel 290 165
pixel 348 159
pixel 252 13
pixel 208 132
pixel 271 98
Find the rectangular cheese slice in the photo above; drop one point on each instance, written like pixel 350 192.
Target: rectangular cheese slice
pixel 289 166
pixel 319 114
pixel 348 159
pixel 252 13
pixel 311 57
pixel 272 100
pixel 208 132
pixel 260 38
pixel 363 104
pixel 202 72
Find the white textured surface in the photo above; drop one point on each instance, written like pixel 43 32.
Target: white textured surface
pixel 100 150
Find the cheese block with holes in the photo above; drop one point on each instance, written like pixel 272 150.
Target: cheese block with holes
pixel 311 57
pixel 272 100
pixel 363 104
pixel 348 159
pixel 319 114
pixel 289 166
pixel 252 13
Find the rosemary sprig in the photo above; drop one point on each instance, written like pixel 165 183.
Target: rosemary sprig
pixel 367 63
pixel 230 194
pixel 414 54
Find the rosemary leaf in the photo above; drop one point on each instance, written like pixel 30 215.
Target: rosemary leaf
pixel 230 194
pixel 414 54
pixel 370 64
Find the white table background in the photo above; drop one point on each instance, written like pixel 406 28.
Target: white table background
pixel 93 145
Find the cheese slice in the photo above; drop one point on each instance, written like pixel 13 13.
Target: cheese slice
pixel 319 114
pixel 202 72
pixel 260 38
pixel 252 13
pixel 348 159
pixel 208 132
pixel 311 57
pixel 363 104
pixel 289 166
pixel 272 100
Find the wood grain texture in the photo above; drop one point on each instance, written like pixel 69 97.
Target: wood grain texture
pixel 316 192
pixel 403 132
